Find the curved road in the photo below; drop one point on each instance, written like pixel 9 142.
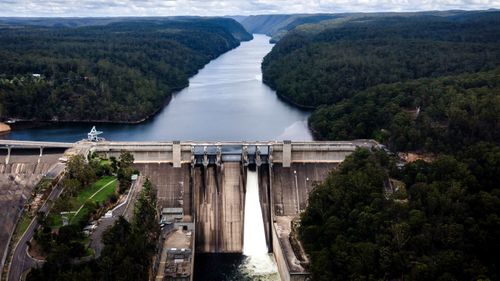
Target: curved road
pixel 20 259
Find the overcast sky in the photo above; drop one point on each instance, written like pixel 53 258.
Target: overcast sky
pixel 68 8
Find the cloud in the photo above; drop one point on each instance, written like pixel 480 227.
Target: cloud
pixel 224 7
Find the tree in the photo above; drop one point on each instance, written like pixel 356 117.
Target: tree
pixel 79 169
pixel 125 170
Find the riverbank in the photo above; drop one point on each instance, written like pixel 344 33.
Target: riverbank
pixel 21 124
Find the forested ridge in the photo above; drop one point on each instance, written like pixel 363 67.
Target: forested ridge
pixel 423 84
pixel 122 71
pixel 441 223
pixel 336 69
pixel 439 115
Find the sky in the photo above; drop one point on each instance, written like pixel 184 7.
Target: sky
pixel 96 8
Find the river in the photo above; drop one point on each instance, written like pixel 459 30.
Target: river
pixel 225 101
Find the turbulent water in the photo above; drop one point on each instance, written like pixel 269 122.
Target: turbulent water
pixel 226 100
pixel 258 263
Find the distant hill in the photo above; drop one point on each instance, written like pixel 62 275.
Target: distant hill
pixel 277 26
pixel 272 25
pixel 233 26
pixel 59 22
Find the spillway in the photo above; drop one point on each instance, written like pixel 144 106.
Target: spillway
pixel 259 264
pixel 254 243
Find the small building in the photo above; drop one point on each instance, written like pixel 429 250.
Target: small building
pixel 172 214
pixel 176 261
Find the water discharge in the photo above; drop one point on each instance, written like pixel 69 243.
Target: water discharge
pixel 254 241
pixel 258 263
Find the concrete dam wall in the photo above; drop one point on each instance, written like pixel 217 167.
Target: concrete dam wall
pixel 219 196
pixel 202 187
pixel 214 197
pixel 207 180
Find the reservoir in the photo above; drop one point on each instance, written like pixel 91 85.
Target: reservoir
pixel 225 101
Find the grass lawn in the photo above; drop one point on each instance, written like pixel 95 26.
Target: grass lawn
pixel 55 220
pixel 109 188
pixel 105 162
pixel 97 193
pixel 25 222
pixel 109 184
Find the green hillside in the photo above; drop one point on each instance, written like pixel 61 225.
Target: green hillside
pixel 122 71
pixel 335 69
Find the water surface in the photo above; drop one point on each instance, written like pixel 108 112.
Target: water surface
pixel 225 101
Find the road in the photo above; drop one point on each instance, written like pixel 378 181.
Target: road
pixel 126 210
pixel 20 259
pixel 36 144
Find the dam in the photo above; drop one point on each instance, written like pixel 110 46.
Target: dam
pixel 206 182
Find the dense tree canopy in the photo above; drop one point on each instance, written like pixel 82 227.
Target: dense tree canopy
pixel 127 254
pixel 312 70
pixel 417 82
pixel 443 226
pixel 438 115
pixel 123 71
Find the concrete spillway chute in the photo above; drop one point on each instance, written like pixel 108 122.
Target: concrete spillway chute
pixel 218 157
pixel 270 156
pixel 193 158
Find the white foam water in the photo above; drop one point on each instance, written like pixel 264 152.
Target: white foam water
pixel 259 264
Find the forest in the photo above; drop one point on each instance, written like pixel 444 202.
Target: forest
pixel 439 115
pixel 123 71
pixel 339 71
pixel 417 83
pixel 441 223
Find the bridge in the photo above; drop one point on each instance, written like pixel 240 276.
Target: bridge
pixel 34 144
pixel 23 145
